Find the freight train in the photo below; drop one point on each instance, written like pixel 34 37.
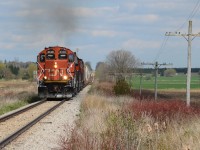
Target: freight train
pixel 60 73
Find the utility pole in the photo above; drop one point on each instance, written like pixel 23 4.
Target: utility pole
pixel 156 67
pixel 140 85
pixel 189 37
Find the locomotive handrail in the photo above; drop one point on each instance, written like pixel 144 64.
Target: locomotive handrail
pixel 68 70
pixel 41 72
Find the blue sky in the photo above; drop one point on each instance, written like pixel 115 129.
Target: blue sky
pixel 96 27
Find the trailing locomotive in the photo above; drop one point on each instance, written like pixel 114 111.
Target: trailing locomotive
pixel 60 74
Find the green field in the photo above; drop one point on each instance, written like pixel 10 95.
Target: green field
pixel 176 82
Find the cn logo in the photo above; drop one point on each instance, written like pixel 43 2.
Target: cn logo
pixel 54 72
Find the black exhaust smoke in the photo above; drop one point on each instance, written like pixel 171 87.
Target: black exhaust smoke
pixel 51 17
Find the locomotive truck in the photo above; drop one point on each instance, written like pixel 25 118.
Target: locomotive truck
pixel 60 73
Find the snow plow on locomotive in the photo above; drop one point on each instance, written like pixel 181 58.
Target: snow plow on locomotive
pixel 60 74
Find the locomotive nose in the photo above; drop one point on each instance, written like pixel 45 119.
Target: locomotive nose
pixel 55 70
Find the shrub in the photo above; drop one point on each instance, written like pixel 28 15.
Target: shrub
pixel 148 77
pixel 170 72
pixel 121 87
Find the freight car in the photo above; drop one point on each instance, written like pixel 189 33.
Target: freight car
pixel 60 73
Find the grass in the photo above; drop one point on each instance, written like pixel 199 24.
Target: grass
pixel 15 94
pixel 110 122
pixel 176 82
pixel 12 106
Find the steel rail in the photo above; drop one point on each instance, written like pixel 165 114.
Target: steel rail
pixel 10 138
pixel 20 111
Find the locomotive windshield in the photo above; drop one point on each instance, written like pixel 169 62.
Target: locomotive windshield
pixel 71 58
pixel 62 54
pixel 42 57
pixel 50 54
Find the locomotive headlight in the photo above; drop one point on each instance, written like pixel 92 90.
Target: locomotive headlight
pixel 45 77
pixel 65 77
pixel 55 65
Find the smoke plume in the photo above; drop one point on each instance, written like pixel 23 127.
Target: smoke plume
pixel 57 18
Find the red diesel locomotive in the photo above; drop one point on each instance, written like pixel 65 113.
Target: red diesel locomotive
pixel 60 73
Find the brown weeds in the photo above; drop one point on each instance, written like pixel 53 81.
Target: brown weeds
pixel 104 88
pixel 16 90
pixel 127 123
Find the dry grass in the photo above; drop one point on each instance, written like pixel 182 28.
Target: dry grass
pixel 92 131
pixel 109 122
pixel 184 135
pixel 96 108
pixel 103 88
pixel 14 91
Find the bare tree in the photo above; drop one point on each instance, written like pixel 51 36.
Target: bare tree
pixel 121 61
pixel 101 71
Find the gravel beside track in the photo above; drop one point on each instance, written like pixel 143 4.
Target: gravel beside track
pixel 13 124
pixel 46 134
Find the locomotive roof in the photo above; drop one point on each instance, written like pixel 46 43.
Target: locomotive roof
pixel 56 48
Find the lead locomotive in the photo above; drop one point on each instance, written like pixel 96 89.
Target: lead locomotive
pixel 60 74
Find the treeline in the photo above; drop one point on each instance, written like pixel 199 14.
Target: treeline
pixel 17 70
pixel 161 71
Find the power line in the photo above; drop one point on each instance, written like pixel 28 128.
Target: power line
pixel 197 8
pixel 191 15
pixel 161 48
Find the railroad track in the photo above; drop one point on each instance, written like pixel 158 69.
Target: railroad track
pixel 10 119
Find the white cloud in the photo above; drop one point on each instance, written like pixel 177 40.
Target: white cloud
pixel 130 6
pixel 95 12
pixel 140 44
pixel 98 32
pixel 169 5
pixel 148 18
pixel 6 46
pixel 137 18
pixel 18 38
pixel 105 33
pixel 27 13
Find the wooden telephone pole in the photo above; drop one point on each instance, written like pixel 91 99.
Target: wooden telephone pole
pixel 156 67
pixel 189 37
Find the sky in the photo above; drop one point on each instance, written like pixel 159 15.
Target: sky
pixel 94 28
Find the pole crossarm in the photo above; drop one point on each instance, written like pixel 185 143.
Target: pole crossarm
pixel 156 67
pixel 183 35
pixel 156 64
pixel 148 63
pixel 180 34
